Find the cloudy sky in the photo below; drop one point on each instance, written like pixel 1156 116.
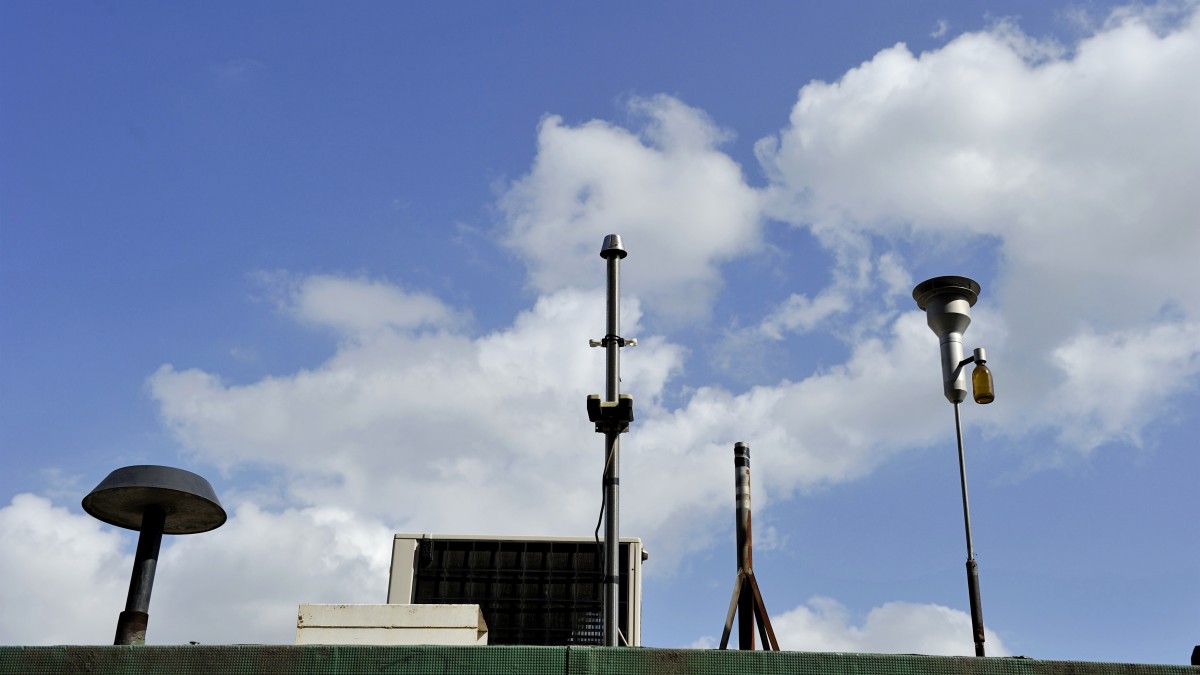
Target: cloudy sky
pixel 343 261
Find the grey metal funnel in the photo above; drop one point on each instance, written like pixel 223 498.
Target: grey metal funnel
pixel 947 302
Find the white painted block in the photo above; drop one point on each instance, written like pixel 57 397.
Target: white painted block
pixel 390 625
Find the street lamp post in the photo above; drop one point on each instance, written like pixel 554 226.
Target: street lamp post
pixel 947 303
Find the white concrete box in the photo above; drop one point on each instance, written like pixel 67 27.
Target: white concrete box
pixel 391 624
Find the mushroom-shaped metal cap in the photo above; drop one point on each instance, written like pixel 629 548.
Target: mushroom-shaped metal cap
pixel 612 247
pixel 962 286
pixel 187 500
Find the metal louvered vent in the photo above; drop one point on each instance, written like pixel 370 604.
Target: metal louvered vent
pixel 531 591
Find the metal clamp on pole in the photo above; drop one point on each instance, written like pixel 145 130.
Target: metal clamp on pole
pixel 612 416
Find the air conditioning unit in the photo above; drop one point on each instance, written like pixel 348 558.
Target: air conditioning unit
pixel 532 590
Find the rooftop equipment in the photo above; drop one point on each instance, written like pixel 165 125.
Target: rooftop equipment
pixel 153 500
pixel 612 417
pixel 747 601
pixel 947 303
pixel 532 590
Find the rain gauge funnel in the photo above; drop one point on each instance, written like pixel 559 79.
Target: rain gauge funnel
pixel 947 302
pixel 153 500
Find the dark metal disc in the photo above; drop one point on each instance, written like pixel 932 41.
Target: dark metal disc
pixel 189 502
pixel 949 284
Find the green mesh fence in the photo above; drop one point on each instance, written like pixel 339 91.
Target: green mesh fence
pixel 497 660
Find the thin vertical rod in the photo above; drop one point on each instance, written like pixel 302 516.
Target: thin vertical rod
pixel 972 566
pixel 131 624
pixel 612 454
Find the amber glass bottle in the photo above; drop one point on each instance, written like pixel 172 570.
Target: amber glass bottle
pixel 981 384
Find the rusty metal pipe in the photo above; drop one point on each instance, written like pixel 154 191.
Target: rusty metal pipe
pixel 132 623
pixel 745 548
pixel 747 602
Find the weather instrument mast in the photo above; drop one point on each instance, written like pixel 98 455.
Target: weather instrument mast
pixel 747 601
pixel 947 303
pixel 612 416
pixel 153 501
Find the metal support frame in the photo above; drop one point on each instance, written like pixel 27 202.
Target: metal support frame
pixel 747 602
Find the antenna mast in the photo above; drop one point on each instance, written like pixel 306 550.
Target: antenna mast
pixel 747 601
pixel 612 417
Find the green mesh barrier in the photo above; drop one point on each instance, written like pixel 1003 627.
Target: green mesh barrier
pixel 504 660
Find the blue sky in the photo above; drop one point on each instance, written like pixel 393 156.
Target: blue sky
pixel 342 261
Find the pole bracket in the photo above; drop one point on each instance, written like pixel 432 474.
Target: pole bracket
pixel 613 339
pixel 610 416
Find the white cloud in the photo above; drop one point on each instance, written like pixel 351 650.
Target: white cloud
pixel 972 137
pixel 447 432
pixel 417 427
pixel 65 575
pixel 799 313
pixel 825 625
pixel 356 306
pixel 1114 384
pixel 244 581
pixel 680 205
pixel 1074 165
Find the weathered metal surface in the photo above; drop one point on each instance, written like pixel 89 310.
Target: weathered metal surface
pixel 495 660
pixel 747 602
pixel 152 500
pixel 188 501
pixel 131 628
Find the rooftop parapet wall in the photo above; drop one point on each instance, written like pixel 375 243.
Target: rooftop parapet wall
pixel 497 660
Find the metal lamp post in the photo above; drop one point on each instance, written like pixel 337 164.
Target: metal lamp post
pixel 152 500
pixel 947 303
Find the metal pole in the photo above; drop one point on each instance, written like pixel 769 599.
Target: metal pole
pixel 612 453
pixel 972 566
pixel 132 623
pixel 745 555
pixel 747 602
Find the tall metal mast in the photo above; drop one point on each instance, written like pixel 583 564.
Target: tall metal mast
pixel 612 417
pixel 747 601
pixel 947 303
